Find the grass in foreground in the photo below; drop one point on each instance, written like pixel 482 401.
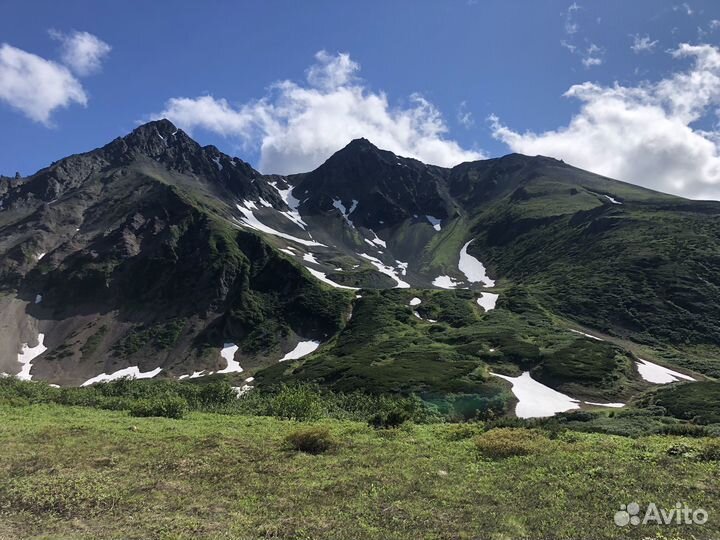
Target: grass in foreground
pixel 72 472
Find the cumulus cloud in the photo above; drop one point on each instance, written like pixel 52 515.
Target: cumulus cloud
pixel 81 51
pixel 643 44
pixel 36 86
pixel 296 126
pixel 645 134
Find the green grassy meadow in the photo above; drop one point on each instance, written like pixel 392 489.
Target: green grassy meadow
pixel 78 472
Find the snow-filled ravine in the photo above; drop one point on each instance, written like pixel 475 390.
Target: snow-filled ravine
pixel 302 349
pixel 388 270
pixel 293 214
pixel 27 355
pixel 535 400
pixel 228 354
pixel 473 269
pixel 657 374
pixel 249 220
pixel 132 372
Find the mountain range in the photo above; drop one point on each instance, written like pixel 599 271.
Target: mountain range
pixel 154 256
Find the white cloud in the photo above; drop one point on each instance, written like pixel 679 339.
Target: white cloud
pixel 36 86
pixel 465 117
pixel 298 126
pixel 644 134
pixel 687 8
pixel 592 56
pixel 571 24
pixel 81 51
pixel 643 44
pixel 589 53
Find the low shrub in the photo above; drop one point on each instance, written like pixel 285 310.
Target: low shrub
pixel 710 452
pixel 577 416
pixel 216 394
pixel 300 403
pixel 389 420
pixel 311 440
pixel 170 407
pixel 509 442
pixel 461 432
pixel 684 430
pixel 680 450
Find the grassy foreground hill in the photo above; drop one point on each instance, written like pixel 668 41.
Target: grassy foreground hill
pixel 72 472
pixel 299 464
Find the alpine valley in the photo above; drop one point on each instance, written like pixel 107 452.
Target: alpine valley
pixel 511 286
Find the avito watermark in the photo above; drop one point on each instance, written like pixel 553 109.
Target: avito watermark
pixel 680 514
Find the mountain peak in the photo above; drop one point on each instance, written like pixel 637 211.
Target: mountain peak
pixel 360 143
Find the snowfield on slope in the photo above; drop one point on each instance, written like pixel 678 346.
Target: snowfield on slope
pixel 445 282
pixel 132 372
pixel 473 269
pixel 27 355
pixel 487 300
pixel 249 220
pixel 535 400
pixel 387 270
pixel 228 353
pixel 657 374
pixel 293 214
pixel 302 349
pixel 322 277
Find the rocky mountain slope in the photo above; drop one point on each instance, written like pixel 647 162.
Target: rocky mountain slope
pixel 155 256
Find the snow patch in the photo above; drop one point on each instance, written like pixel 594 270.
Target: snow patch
pixel 535 400
pixel 337 203
pixel 38 298
pixel 132 372
pixel 415 301
pixel 228 353
pixel 435 222
pixel 487 300
pixel 40 256
pixel 377 240
pixel 403 266
pixel 586 335
pixel 614 201
pixel 445 282
pixel 27 355
pixel 292 203
pixel 387 270
pixel 322 277
pixel 309 257
pixel 249 220
pixel 657 374
pixel 612 405
pixel 285 250
pixel 241 390
pixel 473 269
pixel 217 162
pixel 302 349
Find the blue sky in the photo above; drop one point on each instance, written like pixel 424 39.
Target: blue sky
pixel 443 67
